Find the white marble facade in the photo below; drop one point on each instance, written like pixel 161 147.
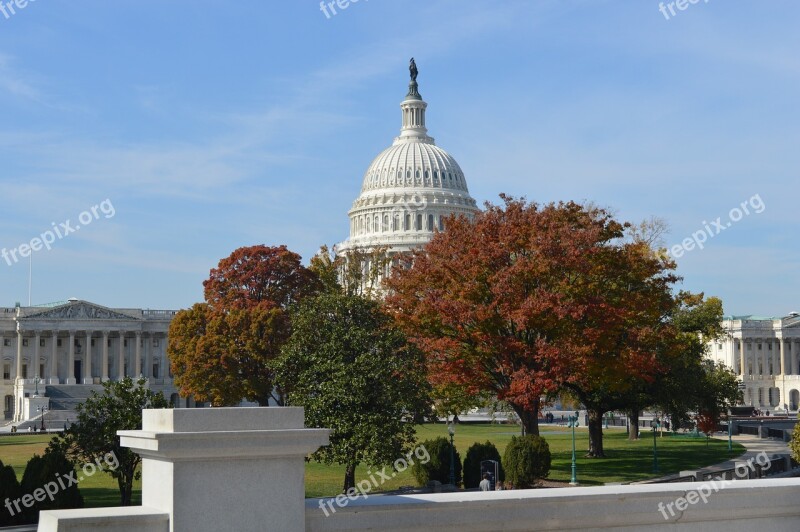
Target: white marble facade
pixel 78 342
pixel 765 354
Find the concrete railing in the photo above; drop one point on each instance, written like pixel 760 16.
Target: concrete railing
pixel 243 469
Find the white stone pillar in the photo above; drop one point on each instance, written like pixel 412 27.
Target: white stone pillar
pixel 138 364
pixel 104 365
pixel 225 458
pixel 742 358
pixel 54 359
pixel 37 337
pixel 87 371
pixel 148 356
pixel 19 354
pixel 121 368
pixel 71 360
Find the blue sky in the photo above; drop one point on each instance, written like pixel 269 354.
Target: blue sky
pixel 209 126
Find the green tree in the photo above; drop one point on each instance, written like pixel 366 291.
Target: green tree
pixel 794 444
pixel 526 460
pixel 93 437
pixel 355 373
pixel 438 467
pixel 476 454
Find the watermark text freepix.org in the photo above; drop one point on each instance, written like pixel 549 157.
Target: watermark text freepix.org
pixel 682 5
pixel 705 489
pixel 10 7
pixel 47 238
pixel 367 485
pixel 341 4
pixel 700 237
pixel 61 482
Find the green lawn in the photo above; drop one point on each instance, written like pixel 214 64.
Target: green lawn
pixel 627 461
pixel 98 490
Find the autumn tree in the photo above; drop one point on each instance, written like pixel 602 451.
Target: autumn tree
pixel 223 350
pixel 526 299
pixel 355 373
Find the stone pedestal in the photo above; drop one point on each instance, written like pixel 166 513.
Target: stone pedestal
pixel 216 469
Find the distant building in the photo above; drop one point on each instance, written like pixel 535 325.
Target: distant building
pixel 765 354
pixel 78 343
pixel 408 190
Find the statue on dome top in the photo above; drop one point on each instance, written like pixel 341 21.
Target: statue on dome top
pixel 412 68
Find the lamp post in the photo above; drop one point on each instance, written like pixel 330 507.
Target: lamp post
pixel 730 444
pixel 655 424
pixel 36 381
pixel 42 409
pixel 573 422
pixel 451 428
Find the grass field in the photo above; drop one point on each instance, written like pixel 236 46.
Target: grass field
pixel 626 462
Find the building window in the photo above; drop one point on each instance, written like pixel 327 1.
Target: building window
pixel 92 342
pixel 41 370
pixel 769 346
pixel 58 342
pixel 6 342
pixel 24 371
pixel 24 342
pixel 430 222
pixel 419 222
pixel 155 342
pixel 6 371
pixel 155 371
pixel 719 346
pixel 41 342
pixel 759 347
pixel 109 342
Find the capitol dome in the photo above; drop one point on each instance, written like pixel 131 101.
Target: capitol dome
pixel 409 189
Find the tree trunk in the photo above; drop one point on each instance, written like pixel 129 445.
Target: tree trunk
pixel 349 477
pixel 633 425
pixel 529 418
pixel 595 434
pixel 125 483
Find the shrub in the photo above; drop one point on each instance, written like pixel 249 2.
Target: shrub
pixel 42 470
pixel 526 460
pixel 472 463
pixel 794 443
pixel 9 489
pixel 438 467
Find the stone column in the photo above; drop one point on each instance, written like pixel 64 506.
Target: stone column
pixel 104 365
pixel 148 355
pixel 19 354
pixel 196 459
pixel 37 337
pixel 121 368
pixel 742 358
pixel 138 364
pixel 87 377
pixel 71 360
pixel 793 355
pixel 54 360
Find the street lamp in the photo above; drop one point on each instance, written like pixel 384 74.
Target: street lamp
pixel 451 428
pixel 42 409
pixel 730 444
pixel 573 422
pixel 655 424
pixel 36 381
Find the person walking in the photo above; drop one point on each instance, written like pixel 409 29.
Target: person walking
pixel 485 484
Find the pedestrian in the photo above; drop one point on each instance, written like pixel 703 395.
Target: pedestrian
pixel 485 484
pixel 499 486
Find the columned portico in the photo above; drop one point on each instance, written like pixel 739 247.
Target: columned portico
pixel 55 344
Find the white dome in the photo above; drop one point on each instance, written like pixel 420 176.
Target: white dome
pixel 409 189
pixel 414 165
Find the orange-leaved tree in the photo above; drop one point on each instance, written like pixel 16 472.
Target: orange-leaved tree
pixel 526 299
pixel 223 350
